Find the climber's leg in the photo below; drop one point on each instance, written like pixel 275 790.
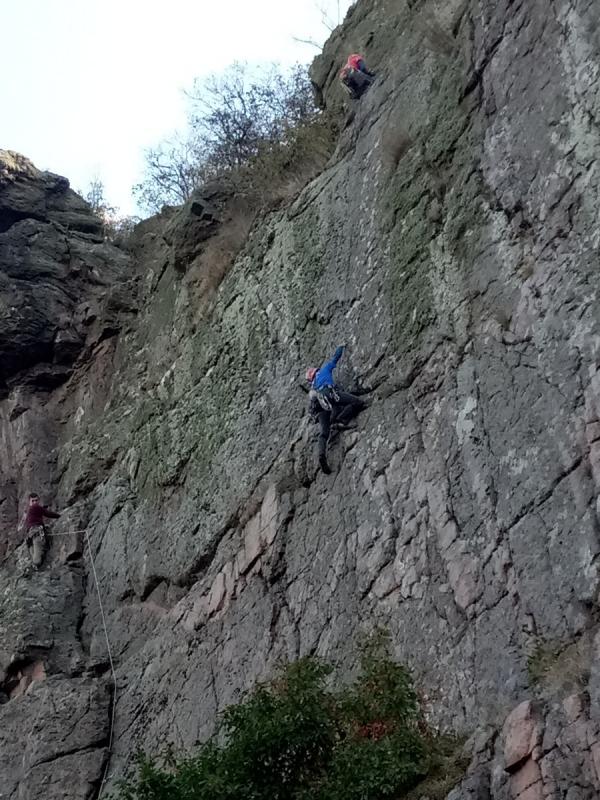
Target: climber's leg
pixel 325 429
pixel 362 81
pixel 348 86
pixel 353 83
pixel 37 545
pixel 347 407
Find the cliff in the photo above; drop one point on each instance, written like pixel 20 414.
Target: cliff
pixel 452 244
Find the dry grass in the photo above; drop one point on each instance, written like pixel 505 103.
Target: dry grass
pixel 448 769
pixel 282 169
pixel 220 252
pixel 275 176
pixel 563 668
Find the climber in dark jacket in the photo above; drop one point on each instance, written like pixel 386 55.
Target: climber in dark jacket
pixel 355 77
pixel 329 405
pixel 33 522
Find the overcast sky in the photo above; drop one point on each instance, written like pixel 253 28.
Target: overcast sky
pixel 86 85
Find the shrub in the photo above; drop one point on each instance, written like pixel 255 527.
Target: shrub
pixel 173 170
pixel 235 113
pixel 281 168
pixel 114 224
pixel 254 127
pixel 297 739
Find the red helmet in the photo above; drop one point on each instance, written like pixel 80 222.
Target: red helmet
pixel 354 61
pixel 310 374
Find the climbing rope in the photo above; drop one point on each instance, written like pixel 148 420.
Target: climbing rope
pixel 66 533
pixel 110 659
pixel 108 648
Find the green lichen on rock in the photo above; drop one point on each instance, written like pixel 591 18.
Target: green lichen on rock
pixel 435 192
pixel 305 265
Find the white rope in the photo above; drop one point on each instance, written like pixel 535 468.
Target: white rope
pixel 112 666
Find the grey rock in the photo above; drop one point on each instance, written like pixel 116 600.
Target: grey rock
pixel 53 740
pixel 52 270
pixel 452 243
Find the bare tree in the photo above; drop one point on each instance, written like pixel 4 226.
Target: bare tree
pixel 113 221
pixel 233 118
pixel 235 113
pixel 96 198
pixel 174 168
pixel 332 14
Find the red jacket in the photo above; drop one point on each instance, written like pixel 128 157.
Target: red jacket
pixel 35 515
pixel 354 61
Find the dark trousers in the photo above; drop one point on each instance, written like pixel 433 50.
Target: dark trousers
pixel 357 82
pixel 343 410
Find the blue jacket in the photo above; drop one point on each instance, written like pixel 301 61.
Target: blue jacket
pixel 324 376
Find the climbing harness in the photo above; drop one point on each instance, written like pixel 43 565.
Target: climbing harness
pixel 326 397
pixel 355 81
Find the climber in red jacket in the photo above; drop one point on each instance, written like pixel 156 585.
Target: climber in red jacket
pixel 33 522
pixel 355 77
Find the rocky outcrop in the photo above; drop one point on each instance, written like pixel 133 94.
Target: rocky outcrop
pixel 58 284
pixel 62 288
pixel 54 262
pixel 452 243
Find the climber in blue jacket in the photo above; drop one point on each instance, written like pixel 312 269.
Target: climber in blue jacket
pixel 328 404
pixel 323 377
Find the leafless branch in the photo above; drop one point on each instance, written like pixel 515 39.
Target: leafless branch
pixel 310 42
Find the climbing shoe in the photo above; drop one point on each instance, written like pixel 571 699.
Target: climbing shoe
pixel 324 465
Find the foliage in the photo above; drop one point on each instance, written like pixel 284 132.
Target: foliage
pixel 114 223
pixel 173 169
pixel 244 124
pixel 95 197
pixel 541 660
pixel 298 739
pixel 553 663
pixel 235 113
pixel 280 168
pixel 448 765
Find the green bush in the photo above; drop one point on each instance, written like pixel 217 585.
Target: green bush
pixel 297 739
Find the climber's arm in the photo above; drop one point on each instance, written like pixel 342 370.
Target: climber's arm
pixel 331 365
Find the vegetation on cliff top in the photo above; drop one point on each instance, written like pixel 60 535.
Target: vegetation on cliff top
pixel 256 129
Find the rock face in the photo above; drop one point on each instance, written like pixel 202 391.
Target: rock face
pixel 452 243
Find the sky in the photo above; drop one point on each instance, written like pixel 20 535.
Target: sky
pixel 86 85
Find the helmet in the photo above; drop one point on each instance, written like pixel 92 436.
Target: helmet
pixel 310 374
